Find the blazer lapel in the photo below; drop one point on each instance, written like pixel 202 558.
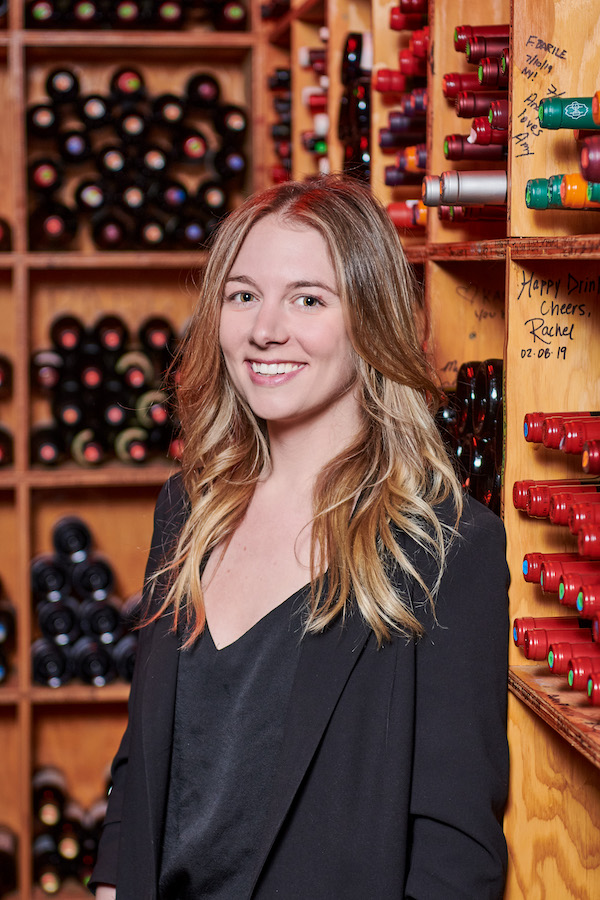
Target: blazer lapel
pixel 324 666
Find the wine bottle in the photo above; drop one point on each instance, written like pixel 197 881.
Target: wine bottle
pixel 136 370
pixel 111 334
pixel 42 120
pixel 132 445
pixel 68 411
pixel 537 641
pixel 62 85
pixel 111 230
pixel 454 83
pixel 6 377
pixel 6 447
pixel 458 146
pixel 472 213
pixel 132 126
pixel 84 14
pixel 576 431
pixel 492 73
pixel 69 834
pixel 91 662
pixel 46 445
pixel 589 156
pixel 574 193
pixel 46 863
pixel 588 541
pixel 94 111
pixel 167 14
pixel 211 196
pixel 590 458
pixel 8 860
pixel 230 15
pixel 43 14
pixel 588 599
pixel 67 333
pixel 526 623
pixel 87 448
pixel 580 671
pixel 475 103
pixel 560 506
pixel 400 21
pixel 190 146
pixel 572 584
pixel 567 112
pixel 49 795
pixel 188 230
pixel 49 578
pixel 477 47
pixel 127 14
pixel 561 653
pixel 93 578
pixel 157 337
pixel 388 81
pixel 231 122
pixel 46 370
pixel 59 621
pixel 552 571
pixel 203 91
pixel 586 512
pixel 127 85
pixel 7 625
pixel 71 539
pixel 152 410
pixel 50 666
pixel 154 161
pixel 464 33
pixel 101 620
pixel 112 162
pixel 483 133
pixel 169 110
pixel 533 422
pixel 91 195
pixel 477 187
pixel 52 225
pixel 487 396
pixel 229 163
pixel 539 496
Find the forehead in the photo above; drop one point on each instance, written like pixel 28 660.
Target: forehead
pixel 277 244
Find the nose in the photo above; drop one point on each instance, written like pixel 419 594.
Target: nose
pixel 269 325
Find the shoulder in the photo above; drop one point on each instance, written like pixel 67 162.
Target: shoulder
pixel 171 511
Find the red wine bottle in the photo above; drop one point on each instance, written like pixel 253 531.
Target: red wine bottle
pixel 59 621
pixel 42 120
pixel 52 226
pixel 43 14
pixel 93 578
pixel 127 14
pixel 127 85
pixel 101 620
pixel 49 795
pixel 62 85
pixel 91 662
pixel 47 868
pixel 203 91
pixel 47 445
pixel 87 448
pixel 169 110
pixel 94 110
pixel 71 539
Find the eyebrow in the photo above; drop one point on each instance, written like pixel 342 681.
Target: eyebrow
pixel 291 285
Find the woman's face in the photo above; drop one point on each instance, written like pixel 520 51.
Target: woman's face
pixel 283 332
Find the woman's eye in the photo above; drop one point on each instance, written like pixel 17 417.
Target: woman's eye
pixel 309 301
pixel 243 297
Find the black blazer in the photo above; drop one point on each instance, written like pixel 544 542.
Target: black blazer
pixel 394 768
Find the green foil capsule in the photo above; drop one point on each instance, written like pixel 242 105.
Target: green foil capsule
pixel 567 112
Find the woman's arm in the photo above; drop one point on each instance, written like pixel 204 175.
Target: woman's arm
pixel 106 892
pixel 460 776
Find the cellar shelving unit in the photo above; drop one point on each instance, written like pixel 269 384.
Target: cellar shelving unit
pixel 473 275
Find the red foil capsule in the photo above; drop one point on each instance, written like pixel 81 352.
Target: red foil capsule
pixel 580 670
pixel 552 571
pixel 537 641
pixel 588 541
pixel 552 428
pixel 532 563
pixel 477 47
pixel 499 114
pixel 483 213
pixel 589 158
pixel 454 82
pixel 389 81
pixel 533 422
pixel 400 21
pixel 463 33
pixel 590 458
pixel 588 599
pixel 560 506
pixel 483 133
pixel 474 103
pixel 419 43
pixel 411 65
pixel 490 74
pixel 576 432
pixel 520 488
pixel 527 623
pixel 584 513
pixel 457 146
pixel 561 653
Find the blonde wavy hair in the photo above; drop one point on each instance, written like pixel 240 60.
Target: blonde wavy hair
pixel 392 475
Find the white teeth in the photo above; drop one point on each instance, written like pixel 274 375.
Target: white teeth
pixel 274 368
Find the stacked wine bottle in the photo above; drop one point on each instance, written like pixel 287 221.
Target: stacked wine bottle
pixel 279 83
pixel 479 94
pixel 571 643
pixel 314 99
pixel 354 121
pixel 6 438
pixel 66 834
pixel 7 635
pixel 575 190
pixel 8 860
pixel 106 394
pixel 471 423
pixel 405 134
pixel 138 171
pixel 222 15
pixel 86 631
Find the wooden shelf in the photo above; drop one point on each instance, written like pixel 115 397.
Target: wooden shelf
pixel 584 246
pixel 128 259
pixel 565 710
pixel 76 694
pixel 191 39
pixel 468 250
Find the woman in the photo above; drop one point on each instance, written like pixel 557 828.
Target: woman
pixel 318 707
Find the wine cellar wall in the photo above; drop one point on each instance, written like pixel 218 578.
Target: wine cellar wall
pixel 353 85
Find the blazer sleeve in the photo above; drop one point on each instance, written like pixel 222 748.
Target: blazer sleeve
pixel 167 518
pixel 460 774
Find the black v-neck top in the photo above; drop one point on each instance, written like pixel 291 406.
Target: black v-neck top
pixel 229 715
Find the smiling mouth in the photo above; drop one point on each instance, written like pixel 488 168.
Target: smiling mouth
pixel 275 368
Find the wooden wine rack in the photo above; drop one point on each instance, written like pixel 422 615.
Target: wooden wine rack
pixel 481 294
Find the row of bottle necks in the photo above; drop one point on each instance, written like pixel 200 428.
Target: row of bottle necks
pixel 110 393
pixel 220 15
pixel 569 643
pixel 143 171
